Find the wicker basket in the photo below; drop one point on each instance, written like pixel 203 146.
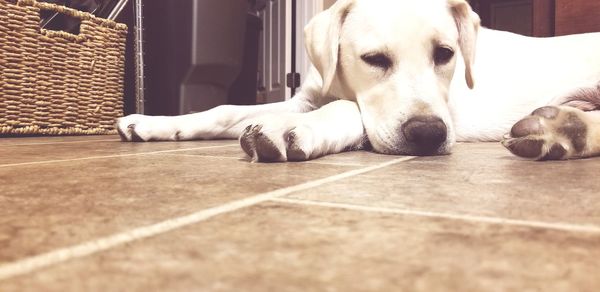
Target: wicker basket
pixel 56 83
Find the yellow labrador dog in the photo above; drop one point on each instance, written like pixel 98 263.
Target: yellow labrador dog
pixel 384 76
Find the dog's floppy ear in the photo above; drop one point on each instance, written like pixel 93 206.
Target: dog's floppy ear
pixel 468 23
pixel 322 37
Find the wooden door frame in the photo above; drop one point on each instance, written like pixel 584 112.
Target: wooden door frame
pixel 542 18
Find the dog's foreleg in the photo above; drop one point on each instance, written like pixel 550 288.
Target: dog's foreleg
pixel 333 128
pixel 556 133
pixel 222 122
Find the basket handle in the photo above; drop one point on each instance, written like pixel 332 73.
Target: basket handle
pixel 59 9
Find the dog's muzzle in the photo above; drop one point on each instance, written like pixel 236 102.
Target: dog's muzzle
pixel 425 134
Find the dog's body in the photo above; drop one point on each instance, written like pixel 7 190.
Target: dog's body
pixel 384 74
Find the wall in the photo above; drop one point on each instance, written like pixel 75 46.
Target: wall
pixel 328 3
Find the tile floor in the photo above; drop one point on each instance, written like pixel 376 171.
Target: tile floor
pixel 94 214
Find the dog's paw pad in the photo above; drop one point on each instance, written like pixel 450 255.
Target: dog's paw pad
pixel 122 134
pixel 556 152
pixel 259 146
pixel 524 147
pixel 527 126
pixel 247 141
pixel 548 112
pixel 135 137
pixel 294 150
pixel 549 133
pixel 574 128
pixel 266 150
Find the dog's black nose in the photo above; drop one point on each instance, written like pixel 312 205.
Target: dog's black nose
pixel 427 133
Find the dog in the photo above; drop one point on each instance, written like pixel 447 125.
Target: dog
pixel 383 78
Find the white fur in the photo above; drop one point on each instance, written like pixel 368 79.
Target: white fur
pixel 511 75
pixel 517 74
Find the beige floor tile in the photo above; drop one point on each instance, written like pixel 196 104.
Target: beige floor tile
pixel 274 247
pixel 478 179
pixel 25 150
pixel 352 158
pixel 48 206
pixel 37 150
pixel 4 141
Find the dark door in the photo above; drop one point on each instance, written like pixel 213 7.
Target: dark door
pixel 272 53
pixel 540 18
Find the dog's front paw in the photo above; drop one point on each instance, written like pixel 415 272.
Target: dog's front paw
pixel 278 144
pixel 550 133
pixel 140 128
pixel 126 128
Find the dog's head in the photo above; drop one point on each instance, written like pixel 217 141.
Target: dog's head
pixel 396 59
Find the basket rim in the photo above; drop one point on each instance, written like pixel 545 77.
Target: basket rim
pixel 71 12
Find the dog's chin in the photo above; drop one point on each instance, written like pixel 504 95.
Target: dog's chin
pixel 409 149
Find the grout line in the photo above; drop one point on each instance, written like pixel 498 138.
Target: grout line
pixel 112 156
pixel 33 263
pixel 63 142
pixel 242 158
pixel 333 163
pixel 470 218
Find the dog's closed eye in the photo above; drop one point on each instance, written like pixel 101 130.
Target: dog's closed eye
pixel 378 60
pixel 442 55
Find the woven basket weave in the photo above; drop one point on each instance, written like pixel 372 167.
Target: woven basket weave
pixel 56 83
